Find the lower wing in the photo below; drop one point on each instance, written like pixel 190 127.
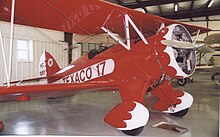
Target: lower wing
pixel 51 90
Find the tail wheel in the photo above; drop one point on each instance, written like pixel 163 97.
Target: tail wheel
pixel 181 82
pixel 180 113
pixel 133 132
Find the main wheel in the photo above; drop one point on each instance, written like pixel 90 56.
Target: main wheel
pixel 180 113
pixel 1 126
pixel 133 132
pixel 213 77
pixel 181 82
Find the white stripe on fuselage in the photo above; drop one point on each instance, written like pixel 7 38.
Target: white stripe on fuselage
pixel 94 71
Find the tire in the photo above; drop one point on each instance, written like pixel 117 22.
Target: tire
pixel 133 132
pixel 181 82
pixel 180 113
pixel 92 53
pixel 213 77
pixel 2 127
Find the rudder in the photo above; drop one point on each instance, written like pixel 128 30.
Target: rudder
pixel 47 65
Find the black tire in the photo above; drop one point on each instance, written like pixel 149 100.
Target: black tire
pixel 92 53
pixel 181 82
pixel 133 132
pixel 180 113
pixel 2 128
pixel 213 77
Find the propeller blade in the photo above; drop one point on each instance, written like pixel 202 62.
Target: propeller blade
pixel 178 44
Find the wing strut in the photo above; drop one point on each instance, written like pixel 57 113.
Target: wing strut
pixel 11 40
pixel 194 42
pixel 127 33
pixel 4 60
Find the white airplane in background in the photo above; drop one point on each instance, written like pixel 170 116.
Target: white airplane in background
pixel 209 45
pixel 212 45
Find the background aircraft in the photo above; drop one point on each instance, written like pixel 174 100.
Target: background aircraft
pixel 140 65
pixel 211 45
pixel 202 48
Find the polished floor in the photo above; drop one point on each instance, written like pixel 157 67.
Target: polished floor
pixel 83 114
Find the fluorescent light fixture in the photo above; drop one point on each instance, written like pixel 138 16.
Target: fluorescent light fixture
pixel 176 7
pixel 210 3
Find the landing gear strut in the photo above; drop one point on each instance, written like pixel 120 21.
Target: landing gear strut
pixel 181 82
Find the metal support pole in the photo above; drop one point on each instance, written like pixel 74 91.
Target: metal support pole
pixel 68 37
pixel 4 60
pixel 11 38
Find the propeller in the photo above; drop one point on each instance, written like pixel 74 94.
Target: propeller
pixel 201 47
pixel 179 44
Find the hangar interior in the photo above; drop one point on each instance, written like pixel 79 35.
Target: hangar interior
pixel 83 114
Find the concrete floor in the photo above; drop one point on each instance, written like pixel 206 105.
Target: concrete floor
pixel 83 114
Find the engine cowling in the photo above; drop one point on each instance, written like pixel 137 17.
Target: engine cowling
pixel 182 60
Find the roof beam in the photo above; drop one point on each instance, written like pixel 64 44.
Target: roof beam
pixel 135 5
pixel 193 14
pixel 191 6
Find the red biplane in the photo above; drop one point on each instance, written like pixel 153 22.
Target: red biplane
pixel 141 64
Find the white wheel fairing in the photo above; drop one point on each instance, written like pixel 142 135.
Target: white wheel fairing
pixel 139 117
pixel 186 102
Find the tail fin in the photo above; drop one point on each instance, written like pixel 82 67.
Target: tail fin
pixel 47 65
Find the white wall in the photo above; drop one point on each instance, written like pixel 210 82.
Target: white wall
pixel 42 40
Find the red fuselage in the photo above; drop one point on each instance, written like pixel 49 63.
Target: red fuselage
pixel 133 72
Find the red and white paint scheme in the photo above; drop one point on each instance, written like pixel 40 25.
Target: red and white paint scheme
pixel 135 67
pixel 91 72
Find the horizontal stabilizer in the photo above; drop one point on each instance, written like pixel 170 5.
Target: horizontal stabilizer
pixel 29 81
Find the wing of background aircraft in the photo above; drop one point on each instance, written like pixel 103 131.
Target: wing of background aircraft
pixel 212 39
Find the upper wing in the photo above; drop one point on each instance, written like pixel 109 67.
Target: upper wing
pixel 52 90
pixel 83 16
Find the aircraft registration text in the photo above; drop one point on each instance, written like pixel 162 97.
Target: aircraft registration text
pixel 97 70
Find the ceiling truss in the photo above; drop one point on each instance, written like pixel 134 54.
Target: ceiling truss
pixel 189 12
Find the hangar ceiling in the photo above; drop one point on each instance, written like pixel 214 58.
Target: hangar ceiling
pixel 166 8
